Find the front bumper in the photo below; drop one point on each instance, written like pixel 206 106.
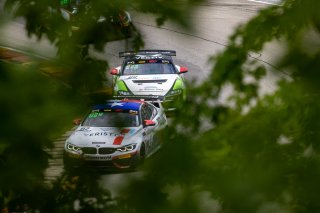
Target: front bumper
pixel 104 162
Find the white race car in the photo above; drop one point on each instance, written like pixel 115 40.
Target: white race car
pixel 116 135
pixel 149 73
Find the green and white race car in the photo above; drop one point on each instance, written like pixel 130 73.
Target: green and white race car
pixel 149 73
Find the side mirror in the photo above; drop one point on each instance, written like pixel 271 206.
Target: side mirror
pixel 183 70
pixel 114 71
pixel 149 123
pixel 77 121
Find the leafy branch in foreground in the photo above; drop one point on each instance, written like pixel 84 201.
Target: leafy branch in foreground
pixel 261 158
pixel 36 109
pixel 255 152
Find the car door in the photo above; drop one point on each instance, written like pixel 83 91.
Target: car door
pixel 148 131
pixel 161 122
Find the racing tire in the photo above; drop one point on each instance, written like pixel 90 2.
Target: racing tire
pixel 142 153
pixel 140 160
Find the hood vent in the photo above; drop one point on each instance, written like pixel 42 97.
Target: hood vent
pixel 159 81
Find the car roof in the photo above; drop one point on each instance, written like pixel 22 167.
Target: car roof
pixel 119 105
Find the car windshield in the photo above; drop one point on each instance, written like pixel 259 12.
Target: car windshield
pixel 146 68
pixel 111 119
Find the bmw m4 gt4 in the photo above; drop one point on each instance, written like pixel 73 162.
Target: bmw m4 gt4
pixel 116 135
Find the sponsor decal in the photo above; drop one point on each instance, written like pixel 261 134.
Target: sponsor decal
pixel 108 157
pixel 98 142
pixel 105 128
pixel 151 88
pixel 124 131
pixel 124 156
pixel 101 134
pixel 118 140
pixel 149 57
pixel 105 132
pixel 84 129
pixel 132 131
pixel 134 112
pixel 132 77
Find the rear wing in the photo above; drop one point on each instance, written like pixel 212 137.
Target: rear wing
pixel 147 52
pixel 148 98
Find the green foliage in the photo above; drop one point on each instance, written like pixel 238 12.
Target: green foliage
pixel 257 154
pixel 78 192
pixel 266 159
pixel 261 153
pixel 34 111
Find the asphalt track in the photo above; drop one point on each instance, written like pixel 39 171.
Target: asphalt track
pixel 211 25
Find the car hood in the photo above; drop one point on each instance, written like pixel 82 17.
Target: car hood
pixel 104 136
pixel 150 84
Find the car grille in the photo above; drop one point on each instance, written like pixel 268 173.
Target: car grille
pixel 104 151
pixel 89 150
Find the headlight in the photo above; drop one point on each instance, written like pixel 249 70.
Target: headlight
pixel 73 148
pixel 127 148
pixel 174 92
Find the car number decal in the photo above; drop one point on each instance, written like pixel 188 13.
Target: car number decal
pixel 95 114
